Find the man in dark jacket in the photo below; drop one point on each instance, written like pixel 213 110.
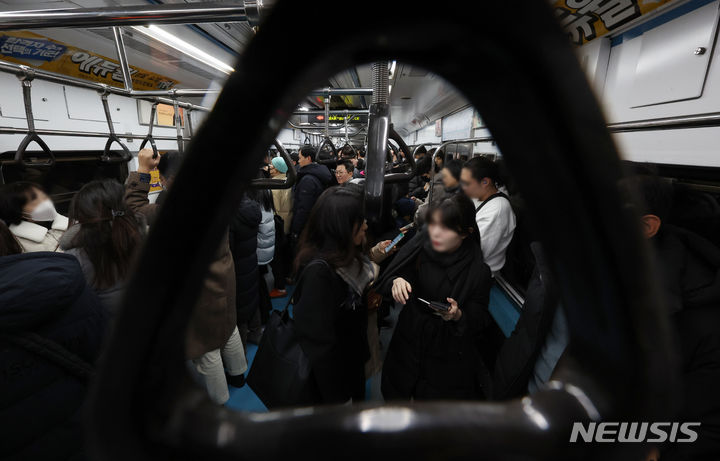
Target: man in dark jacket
pixel 312 179
pixel 690 274
pixel 44 295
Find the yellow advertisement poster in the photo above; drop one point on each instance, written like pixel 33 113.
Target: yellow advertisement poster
pixel 37 51
pixel 155 181
pixel 585 20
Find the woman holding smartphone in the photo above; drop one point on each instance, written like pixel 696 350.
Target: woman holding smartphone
pixel 441 279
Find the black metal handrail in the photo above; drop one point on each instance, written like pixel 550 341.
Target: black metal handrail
pixel 107 156
pixel 621 365
pixel 149 138
pixel 290 178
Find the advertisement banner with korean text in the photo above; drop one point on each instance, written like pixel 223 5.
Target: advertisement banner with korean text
pixel 585 20
pixel 40 52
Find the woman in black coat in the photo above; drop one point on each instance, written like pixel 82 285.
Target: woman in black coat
pixel 433 354
pixel 243 245
pixel 330 319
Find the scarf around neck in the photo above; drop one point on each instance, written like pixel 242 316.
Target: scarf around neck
pixel 358 275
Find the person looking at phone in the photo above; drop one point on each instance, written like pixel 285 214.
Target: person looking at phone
pixel 432 354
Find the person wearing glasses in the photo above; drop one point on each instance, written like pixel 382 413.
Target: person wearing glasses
pixel 344 172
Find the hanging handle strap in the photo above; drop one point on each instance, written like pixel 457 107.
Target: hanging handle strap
pixel 149 138
pixel 107 156
pixel 32 135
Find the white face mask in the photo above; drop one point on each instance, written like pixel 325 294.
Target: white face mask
pixel 45 211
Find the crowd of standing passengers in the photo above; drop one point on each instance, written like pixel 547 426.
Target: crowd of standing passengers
pixel 63 279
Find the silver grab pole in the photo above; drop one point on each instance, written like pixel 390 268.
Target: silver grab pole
pixel 122 58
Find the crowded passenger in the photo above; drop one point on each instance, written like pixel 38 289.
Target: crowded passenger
pixel 312 179
pixel 419 185
pixel 433 352
pixel 450 180
pixel 331 321
pixel 265 255
pixel 480 180
pixel 212 340
pixel 348 153
pixel 344 172
pixel 283 204
pixel 689 271
pixel 105 236
pixel 31 216
pixel 243 237
pixel 52 327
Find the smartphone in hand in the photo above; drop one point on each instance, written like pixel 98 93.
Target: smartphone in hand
pixel 394 242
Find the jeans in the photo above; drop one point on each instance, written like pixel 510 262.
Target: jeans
pixel 210 367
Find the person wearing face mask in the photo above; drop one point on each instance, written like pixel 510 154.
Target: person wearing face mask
pixel 31 217
pixel 480 180
pixel 433 353
pixel 331 318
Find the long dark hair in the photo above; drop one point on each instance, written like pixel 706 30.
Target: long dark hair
pixel 262 196
pixel 456 213
pixel 331 227
pixel 109 232
pixel 8 244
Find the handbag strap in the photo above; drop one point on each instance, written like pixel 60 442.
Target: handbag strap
pixel 300 279
pixel 496 194
pixel 53 352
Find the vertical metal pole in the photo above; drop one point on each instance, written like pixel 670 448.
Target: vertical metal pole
pixel 189 123
pixel 378 129
pixel 122 57
pixel 327 115
pixel 347 140
pixel 178 125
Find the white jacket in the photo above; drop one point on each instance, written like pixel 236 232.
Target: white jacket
pixel 496 223
pixel 34 237
pixel 266 238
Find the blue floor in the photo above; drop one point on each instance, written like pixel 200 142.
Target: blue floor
pixel 244 399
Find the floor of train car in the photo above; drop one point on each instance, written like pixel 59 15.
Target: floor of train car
pixel 244 399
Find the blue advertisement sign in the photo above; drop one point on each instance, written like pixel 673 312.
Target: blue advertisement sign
pixel 30 48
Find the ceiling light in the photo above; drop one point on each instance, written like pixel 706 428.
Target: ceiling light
pixel 303 108
pixel 184 47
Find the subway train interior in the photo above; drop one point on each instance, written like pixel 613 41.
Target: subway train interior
pixel 266 229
